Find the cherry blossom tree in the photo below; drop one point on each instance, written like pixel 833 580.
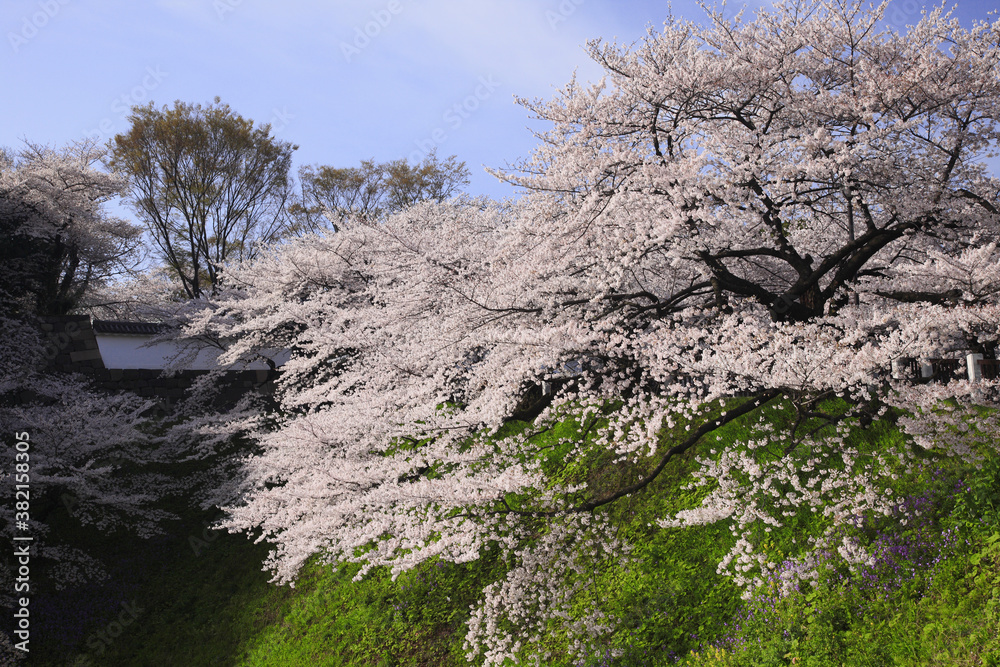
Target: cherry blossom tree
pixel 744 225
pixel 68 447
pixel 58 241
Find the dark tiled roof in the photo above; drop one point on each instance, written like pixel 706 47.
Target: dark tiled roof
pixel 133 328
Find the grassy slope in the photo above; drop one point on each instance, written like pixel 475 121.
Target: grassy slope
pixel 206 602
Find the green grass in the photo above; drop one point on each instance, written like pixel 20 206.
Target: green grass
pixel 205 601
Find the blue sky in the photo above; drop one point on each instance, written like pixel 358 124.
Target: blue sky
pixel 345 80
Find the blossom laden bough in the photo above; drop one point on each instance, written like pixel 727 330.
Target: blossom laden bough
pixel 740 229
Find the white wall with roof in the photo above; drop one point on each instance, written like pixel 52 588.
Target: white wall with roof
pixel 135 351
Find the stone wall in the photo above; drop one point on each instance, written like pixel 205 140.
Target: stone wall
pixel 151 383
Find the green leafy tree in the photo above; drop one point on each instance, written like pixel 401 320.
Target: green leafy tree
pixel 208 184
pixel 373 190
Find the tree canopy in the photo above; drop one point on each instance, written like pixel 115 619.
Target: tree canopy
pixel 209 185
pixel 57 240
pixel 373 190
pixel 776 153
pixel 745 217
pixel 753 217
pixel 748 217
